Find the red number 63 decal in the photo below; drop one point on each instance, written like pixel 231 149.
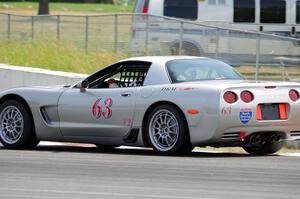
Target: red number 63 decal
pixel 102 107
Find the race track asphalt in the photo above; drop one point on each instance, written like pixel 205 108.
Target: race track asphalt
pixel 70 172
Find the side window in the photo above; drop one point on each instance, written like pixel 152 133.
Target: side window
pixel 120 75
pixel 298 12
pixel 132 76
pixel 244 11
pixel 187 9
pixel 272 11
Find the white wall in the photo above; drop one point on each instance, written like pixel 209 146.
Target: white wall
pixel 16 76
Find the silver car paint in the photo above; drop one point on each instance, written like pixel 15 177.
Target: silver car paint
pixel 70 110
pixel 38 98
pixel 75 121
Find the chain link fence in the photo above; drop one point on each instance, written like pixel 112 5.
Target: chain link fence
pixel 256 55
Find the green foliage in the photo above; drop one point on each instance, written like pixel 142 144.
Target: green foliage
pixel 54 55
pixel 66 7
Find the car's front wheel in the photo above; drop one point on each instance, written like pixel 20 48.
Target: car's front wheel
pixel 16 126
pixel 167 131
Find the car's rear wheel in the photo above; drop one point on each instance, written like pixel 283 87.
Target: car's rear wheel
pixel 16 126
pixel 264 148
pixel 167 131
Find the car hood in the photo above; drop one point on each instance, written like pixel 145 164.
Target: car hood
pixel 35 89
pixel 49 87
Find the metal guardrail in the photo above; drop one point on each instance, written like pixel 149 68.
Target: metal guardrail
pixel 140 34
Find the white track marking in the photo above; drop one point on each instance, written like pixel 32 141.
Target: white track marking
pixel 290 154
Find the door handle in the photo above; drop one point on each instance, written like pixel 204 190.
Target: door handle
pixel 126 94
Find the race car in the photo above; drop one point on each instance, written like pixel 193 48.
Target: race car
pixel 170 103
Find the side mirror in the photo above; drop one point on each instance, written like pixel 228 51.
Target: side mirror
pixel 84 85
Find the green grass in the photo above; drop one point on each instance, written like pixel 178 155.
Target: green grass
pixel 66 7
pixel 67 56
pixel 270 72
pixel 55 56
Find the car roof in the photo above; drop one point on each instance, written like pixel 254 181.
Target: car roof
pixel 162 59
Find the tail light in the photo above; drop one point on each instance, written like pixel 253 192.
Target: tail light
pixel 146 7
pixel 247 96
pixel 230 97
pixel 258 113
pixel 283 111
pixel 294 95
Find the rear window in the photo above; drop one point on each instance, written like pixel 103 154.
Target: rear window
pixel 186 70
pixel 272 11
pixel 244 11
pixel 185 9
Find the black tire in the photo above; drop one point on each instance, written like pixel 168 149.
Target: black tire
pixel 106 147
pixel 26 138
pixel 264 149
pixel 181 142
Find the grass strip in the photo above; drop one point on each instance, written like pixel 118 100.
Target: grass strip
pixel 69 57
pixel 65 7
pixel 55 55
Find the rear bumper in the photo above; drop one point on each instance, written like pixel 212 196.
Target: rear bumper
pixel 222 129
pixel 232 133
pixel 289 132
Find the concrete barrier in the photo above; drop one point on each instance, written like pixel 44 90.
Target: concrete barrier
pixel 16 76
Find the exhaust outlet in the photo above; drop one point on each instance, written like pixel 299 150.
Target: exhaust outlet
pixel 255 139
pixel 252 139
pixel 277 138
pixel 258 139
pixel 273 138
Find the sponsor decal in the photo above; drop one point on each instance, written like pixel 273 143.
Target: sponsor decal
pixel 226 110
pixel 193 111
pixel 185 89
pixel 177 89
pixel 168 89
pixel 102 108
pixel 245 115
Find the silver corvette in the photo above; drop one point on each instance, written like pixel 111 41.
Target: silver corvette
pixel 169 103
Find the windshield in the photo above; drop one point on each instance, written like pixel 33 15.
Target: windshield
pixel 185 70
